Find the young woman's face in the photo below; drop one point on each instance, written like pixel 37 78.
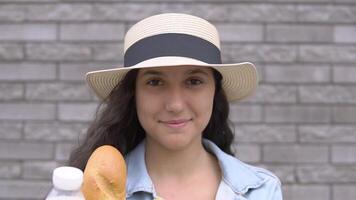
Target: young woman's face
pixel 174 104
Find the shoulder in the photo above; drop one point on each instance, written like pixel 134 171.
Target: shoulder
pixel 269 188
pixel 245 179
pixel 265 174
pixel 251 182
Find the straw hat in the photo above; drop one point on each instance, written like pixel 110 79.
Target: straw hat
pixel 175 39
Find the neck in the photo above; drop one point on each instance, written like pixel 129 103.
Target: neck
pixel 167 164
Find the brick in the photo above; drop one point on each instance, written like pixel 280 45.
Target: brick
pixel 245 113
pixel 101 1
pixel 24 32
pixel 58 52
pixel 248 152
pixel 109 52
pixel 327 134
pixel 209 11
pixel 12 13
pixel 11 91
pixel 59 12
pixel 299 33
pixel 38 169
pixel 306 192
pixel 63 151
pixel 260 73
pixel 344 74
pixel 284 172
pixel 297 114
pixel 18 189
pixel 345 1
pixel 328 53
pixel 295 154
pixel 326 13
pixel 259 53
pixel 297 74
pixel 25 151
pixel 344 192
pixel 344 114
pixel 58 91
pixel 345 34
pixel 256 12
pixel 267 93
pixel 10 170
pixel 41 131
pixel 327 94
pixel 238 1
pixel 343 154
pixel 10 130
pixel 265 133
pixel 300 1
pixel 77 112
pixel 27 111
pixel 240 32
pixel 99 32
pixel 77 71
pixel 27 71
pixel 118 12
pixel 326 174
pixel 19 1
pixel 11 52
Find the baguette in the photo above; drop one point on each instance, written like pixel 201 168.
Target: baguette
pixel 105 175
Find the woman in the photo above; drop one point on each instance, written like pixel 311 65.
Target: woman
pixel 167 111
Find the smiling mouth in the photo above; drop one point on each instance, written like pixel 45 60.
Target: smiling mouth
pixel 176 123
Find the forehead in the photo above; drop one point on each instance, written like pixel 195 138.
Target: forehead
pixel 175 70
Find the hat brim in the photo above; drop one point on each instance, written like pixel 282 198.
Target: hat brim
pixel 239 79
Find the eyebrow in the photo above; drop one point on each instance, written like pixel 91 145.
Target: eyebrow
pixel 197 71
pixel 152 72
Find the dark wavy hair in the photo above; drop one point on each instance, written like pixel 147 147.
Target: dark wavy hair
pixel 116 122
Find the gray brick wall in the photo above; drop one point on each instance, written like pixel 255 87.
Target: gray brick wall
pixel 301 123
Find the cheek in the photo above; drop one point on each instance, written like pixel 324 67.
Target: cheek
pixel 205 106
pixel 209 109
pixel 141 106
pixel 145 108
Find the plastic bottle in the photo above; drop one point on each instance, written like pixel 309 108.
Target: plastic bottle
pixel 67 182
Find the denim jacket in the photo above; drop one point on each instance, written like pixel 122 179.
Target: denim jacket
pixel 240 181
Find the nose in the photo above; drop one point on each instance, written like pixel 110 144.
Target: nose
pixel 175 100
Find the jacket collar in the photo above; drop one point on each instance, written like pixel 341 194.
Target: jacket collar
pixel 239 176
pixel 138 179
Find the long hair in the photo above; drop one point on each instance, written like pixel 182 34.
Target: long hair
pixel 116 122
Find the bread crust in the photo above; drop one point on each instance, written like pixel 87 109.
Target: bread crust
pixel 105 175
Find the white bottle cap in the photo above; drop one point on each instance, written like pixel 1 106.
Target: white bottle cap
pixel 67 178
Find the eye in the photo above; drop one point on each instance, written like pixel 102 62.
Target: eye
pixel 154 82
pixel 194 81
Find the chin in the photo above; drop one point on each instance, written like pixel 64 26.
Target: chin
pixel 177 143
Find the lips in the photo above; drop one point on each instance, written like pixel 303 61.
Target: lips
pixel 178 123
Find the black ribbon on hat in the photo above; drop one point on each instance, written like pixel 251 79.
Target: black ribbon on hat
pixel 172 44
